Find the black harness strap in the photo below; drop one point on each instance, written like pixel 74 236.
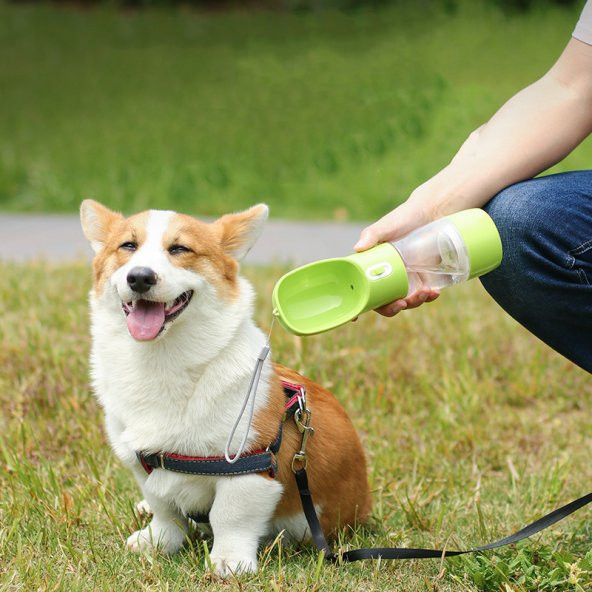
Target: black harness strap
pixel 255 462
pixel 258 461
pixel 404 553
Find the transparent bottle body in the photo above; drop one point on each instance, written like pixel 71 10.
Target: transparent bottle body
pixel 434 255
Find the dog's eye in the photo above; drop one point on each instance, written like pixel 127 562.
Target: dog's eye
pixel 128 246
pixel 178 249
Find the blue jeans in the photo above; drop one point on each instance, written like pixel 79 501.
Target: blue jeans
pixel 545 279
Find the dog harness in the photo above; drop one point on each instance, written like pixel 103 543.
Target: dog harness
pixel 256 461
pixel 260 461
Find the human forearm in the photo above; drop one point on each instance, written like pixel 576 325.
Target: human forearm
pixel 535 129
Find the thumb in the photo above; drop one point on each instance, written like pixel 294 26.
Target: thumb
pixel 397 223
pixel 367 239
pixel 382 230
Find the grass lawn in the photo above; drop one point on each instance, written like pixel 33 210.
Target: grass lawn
pixel 321 115
pixel 472 428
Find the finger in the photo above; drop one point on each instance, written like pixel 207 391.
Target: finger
pixel 418 298
pixel 367 239
pixel 393 308
pixel 382 230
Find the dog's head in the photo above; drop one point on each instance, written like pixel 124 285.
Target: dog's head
pixel 156 266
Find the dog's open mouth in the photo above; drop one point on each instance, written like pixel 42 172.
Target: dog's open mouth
pixel 147 318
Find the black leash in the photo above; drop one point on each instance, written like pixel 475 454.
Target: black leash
pixel 404 553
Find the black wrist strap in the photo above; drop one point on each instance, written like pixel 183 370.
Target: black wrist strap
pixel 404 553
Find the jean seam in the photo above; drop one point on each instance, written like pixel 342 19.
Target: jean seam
pixel 571 260
pixel 581 249
pixel 583 277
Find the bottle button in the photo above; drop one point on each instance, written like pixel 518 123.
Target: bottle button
pixel 379 270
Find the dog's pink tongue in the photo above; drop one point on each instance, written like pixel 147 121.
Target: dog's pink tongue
pixel 145 319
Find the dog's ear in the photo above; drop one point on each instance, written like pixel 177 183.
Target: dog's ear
pixel 240 231
pixel 96 220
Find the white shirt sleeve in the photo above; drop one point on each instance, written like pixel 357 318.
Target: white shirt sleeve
pixel 583 30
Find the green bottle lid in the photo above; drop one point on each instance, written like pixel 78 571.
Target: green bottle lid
pixel 482 240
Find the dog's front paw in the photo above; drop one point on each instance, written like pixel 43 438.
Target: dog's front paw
pixel 140 541
pixel 168 540
pixel 143 508
pixel 225 565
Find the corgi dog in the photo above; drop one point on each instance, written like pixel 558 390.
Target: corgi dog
pixel 174 346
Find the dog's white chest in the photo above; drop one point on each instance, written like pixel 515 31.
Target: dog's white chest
pixel 169 403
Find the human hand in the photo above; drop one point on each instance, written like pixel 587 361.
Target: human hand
pixel 392 226
pixel 412 301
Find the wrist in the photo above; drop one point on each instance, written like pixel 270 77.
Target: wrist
pixel 447 192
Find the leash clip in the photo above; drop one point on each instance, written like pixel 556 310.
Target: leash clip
pixel 302 419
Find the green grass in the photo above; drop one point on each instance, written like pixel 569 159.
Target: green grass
pixel 322 115
pixel 472 428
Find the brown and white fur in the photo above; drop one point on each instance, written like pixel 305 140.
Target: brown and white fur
pixel 181 390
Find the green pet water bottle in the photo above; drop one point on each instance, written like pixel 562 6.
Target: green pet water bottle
pixel 329 293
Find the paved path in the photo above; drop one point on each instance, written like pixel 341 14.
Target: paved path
pixel 58 238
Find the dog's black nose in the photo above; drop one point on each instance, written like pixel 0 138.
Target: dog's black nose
pixel 141 279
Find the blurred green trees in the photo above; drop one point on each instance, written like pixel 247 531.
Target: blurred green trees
pixel 320 114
